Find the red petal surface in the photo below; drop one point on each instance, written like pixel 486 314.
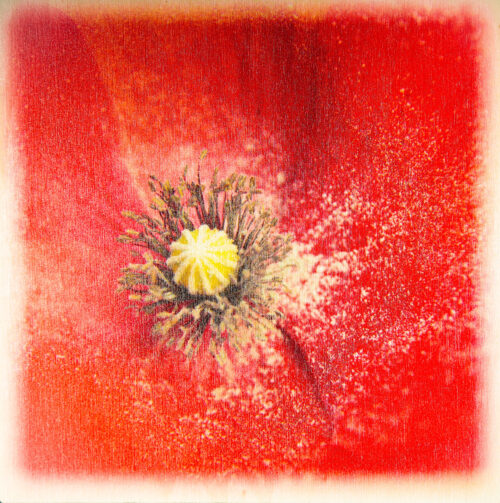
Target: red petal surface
pixel 372 125
pixel 390 217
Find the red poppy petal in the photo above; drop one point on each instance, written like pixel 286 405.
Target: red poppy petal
pixel 96 396
pixel 386 312
pixel 71 190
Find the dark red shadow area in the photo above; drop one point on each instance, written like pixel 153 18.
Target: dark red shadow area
pixel 374 125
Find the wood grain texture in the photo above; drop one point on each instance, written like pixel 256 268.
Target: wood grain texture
pixel 365 132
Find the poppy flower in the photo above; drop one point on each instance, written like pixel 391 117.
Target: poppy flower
pixel 364 133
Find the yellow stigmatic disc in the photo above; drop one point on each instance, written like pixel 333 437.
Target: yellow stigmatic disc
pixel 204 260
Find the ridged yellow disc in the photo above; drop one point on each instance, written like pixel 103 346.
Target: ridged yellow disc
pixel 204 260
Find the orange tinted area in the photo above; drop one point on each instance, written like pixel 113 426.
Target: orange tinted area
pixel 364 134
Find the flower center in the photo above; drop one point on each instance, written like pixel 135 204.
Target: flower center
pixel 204 260
pixel 213 259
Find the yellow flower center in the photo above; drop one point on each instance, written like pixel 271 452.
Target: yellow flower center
pixel 204 260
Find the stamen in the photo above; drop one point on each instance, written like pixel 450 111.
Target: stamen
pixel 204 268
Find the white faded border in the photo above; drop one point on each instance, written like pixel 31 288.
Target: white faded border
pixel 17 486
